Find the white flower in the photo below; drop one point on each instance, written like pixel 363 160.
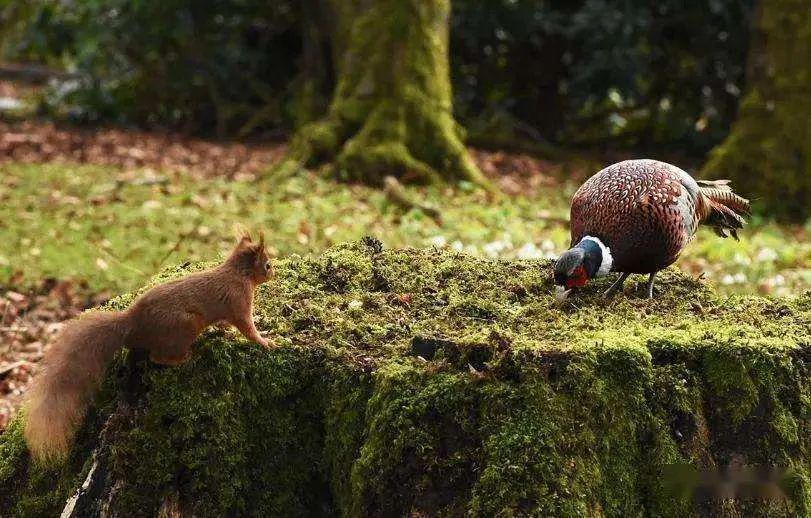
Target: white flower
pixel 529 251
pixel 494 248
pixel 11 103
pixel 457 246
pixel 438 241
pixel 766 255
pixel 742 260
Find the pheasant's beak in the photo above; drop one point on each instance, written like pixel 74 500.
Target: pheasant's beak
pixel 561 294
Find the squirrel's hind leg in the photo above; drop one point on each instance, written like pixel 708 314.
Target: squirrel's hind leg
pixel 174 347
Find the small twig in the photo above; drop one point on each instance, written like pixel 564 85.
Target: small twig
pixel 554 219
pixel 181 239
pixel 158 180
pixel 122 263
pixel 15 329
pixel 397 193
pixel 70 505
pixel 27 307
pixel 8 368
pixel 96 485
pixel 33 74
pixel 5 314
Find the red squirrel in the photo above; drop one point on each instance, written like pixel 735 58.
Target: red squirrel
pixel 164 321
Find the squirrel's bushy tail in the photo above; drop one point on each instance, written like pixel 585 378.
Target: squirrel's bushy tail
pixel 73 370
pixel 725 209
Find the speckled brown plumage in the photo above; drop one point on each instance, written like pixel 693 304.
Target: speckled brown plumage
pixel 646 211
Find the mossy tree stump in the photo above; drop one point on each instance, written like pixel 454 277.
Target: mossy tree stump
pixel 391 112
pixel 768 151
pixel 422 382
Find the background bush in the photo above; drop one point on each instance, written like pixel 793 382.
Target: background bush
pixel 633 73
pixel 205 66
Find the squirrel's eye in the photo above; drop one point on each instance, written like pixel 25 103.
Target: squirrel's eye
pixel 267 266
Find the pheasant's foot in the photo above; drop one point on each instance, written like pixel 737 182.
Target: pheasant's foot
pixel 617 286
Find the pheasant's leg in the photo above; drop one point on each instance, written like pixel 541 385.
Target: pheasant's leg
pixel 649 286
pixel 617 285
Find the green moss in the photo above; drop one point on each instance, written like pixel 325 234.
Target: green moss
pixel 29 489
pixel 214 420
pixel 433 383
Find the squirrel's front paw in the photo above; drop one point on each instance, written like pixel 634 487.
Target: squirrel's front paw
pixel 264 342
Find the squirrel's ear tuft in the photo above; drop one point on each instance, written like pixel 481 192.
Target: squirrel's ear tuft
pixel 242 234
pixel 261 240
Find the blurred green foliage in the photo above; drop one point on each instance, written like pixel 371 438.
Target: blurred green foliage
pixel 202 66
pixel 634 73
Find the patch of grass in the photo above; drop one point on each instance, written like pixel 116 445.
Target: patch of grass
pixel 80 222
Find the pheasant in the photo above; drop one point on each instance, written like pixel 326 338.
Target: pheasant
pixel 636 216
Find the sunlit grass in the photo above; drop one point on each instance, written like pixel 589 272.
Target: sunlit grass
pixel 83 223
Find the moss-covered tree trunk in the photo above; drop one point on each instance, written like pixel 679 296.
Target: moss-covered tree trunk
pixel 768 152
pixel 391 109
pixel 429 383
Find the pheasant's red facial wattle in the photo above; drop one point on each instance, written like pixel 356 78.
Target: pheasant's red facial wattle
pixel 578 278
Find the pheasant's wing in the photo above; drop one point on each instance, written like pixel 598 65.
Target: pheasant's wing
pixel 584 204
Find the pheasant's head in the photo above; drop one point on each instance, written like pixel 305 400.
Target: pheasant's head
pixel 586 260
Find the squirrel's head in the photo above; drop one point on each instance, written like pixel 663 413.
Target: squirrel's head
pixel 251 258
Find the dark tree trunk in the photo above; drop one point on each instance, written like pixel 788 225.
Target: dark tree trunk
pixel 768 152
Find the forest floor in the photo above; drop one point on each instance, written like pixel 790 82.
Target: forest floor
pixel 85 214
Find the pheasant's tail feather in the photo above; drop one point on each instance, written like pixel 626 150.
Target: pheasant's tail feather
pixel 724 210
pixel 718 184
pixel 729 199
